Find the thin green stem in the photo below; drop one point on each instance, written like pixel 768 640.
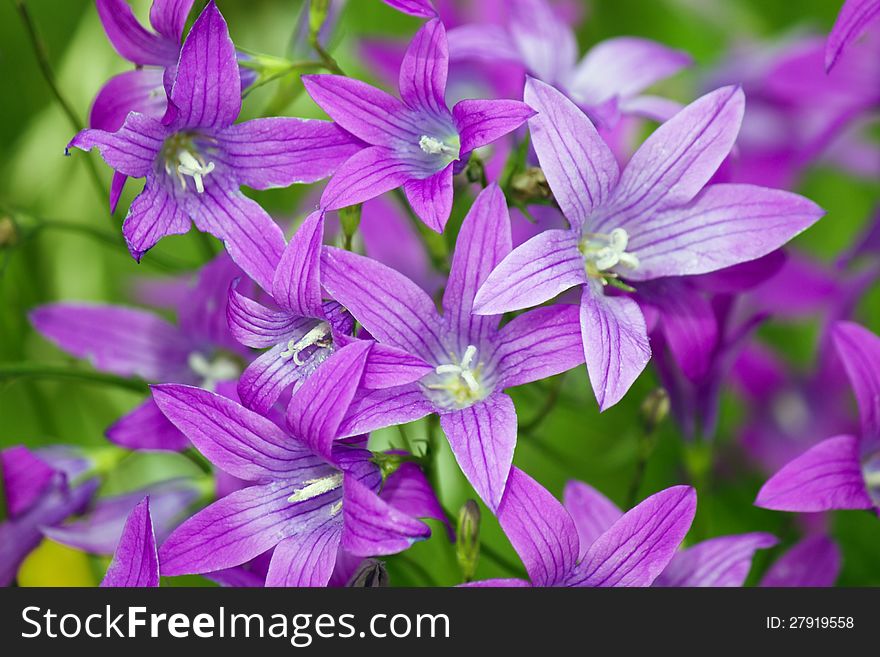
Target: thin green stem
pixel 42 55
pixel 414 565
pixel 548 406
pixel 42 371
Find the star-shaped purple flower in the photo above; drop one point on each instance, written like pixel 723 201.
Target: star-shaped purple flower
pixel 416 142
pixel 473 359
pixel 195 158
pixel 310 495
pixel 842 472
pixel 653 220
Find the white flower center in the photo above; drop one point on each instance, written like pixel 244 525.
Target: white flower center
pixel 192 166
pixel 602 253
pixel 318 336
pixel 434 146
pixel 213 371
pixel 461 383
pixel 315 487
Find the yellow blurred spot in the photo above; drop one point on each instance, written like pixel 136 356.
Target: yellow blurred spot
pixel 53 564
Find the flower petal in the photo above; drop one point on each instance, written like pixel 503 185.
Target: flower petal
pixel 390 306
pixel 307 558
pixel 540 343
pixel 296 286
pixel 481 42
pixel 207 88
pixel 480 122
pixel 431 197
pixel 723 561
pixel 532 273
pixel 282 151
pixel 168 17
pixel 636 549
pixel 483 242
pixel 592 512
pixel 859 350
pixel 116 339
pixel 377 409
pixel 408 490
pixel 815 561
pixel 135 562
pixel 155 213
pixel 616 347
pixel 579 166
pixel 483 439
pixel 852 20
pixel 546 42
pixel 424 68
pixel 132 91
pixel 131 39
pixel 421 8
pixel 372 526
pixel 364 111
pixel 131 150
pixel 366 175
pixel 827 476
pixel 146 428
pixel 25 477
pixel 254 325
pixel 677 160
pixel 319 406
pixel 723 226
pixel 239 441
pixel 540 530
pixel 389 367
pixel 267 377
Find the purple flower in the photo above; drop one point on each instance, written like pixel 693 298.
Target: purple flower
pixel 608 82
pixel 653 220
pixel 133 342
pixel 42 489
pixel 135 562
pixel 310 495
pixel 473 360
pixel 420 8
pixel 415 143
pixel 195 159
pixel 854 17
pixel 602 547
pixel 304 330
pixel 723 561
pixel 815 561
pixel 842 472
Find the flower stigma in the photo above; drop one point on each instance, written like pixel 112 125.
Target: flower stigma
pixel 603 252
pixel 316 487
pixel 319 336
pixel 183 159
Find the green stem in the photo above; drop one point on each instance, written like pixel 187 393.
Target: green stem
pixel 502 561
pixel 647 443
pixel 41 371
pixel 42 55
pixel 549 404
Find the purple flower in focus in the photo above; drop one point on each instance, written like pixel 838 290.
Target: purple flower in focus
pixel 853 19
pixel 607 83
pixel 602 548
pixel 304 329
pixel 136 561
pixel 42 489
pixel 195 159
pixel 133 342
pixel 473 360
pixel 842 472
pixel 653 220
pixel 310 496
pixel 416 142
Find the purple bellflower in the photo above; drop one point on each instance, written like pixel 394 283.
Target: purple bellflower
pixel 310 496
pixel 304 329
pixel 607 83
pixel 653 220
pixel 473 360
pixel 134 342
pixel 42 489
pixel 853 19
pixel 416 142
pixel 135 561
pixel 195 158
pixel 632 551
pixel 723 561
pixel 842 472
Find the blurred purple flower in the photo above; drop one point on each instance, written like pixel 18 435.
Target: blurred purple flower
pixel 815 561
pixel 473 360
pixel 416 142
pixel 197 139
pixel 654 220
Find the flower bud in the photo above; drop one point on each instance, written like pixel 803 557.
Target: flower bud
pixel 530 184
pixel 654 409
pixel 370 574
pixel 467 544
pixel 8 234
pixel 350 220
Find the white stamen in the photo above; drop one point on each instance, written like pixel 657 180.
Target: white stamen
pixel 212 372
pixel 433 146
pixel 604 252
pixel 190 166
pixel 317 336
pixel 336 508
pixel 316 487
pixel 462 369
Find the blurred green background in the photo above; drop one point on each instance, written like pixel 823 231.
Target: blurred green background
pixel 67 248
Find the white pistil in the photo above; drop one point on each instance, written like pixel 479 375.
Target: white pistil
pixel 462 369
pixel 604 252
pixel 317 336
pixel 196 168
pixel 315 487
pixel 433 146
pixel 212 372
